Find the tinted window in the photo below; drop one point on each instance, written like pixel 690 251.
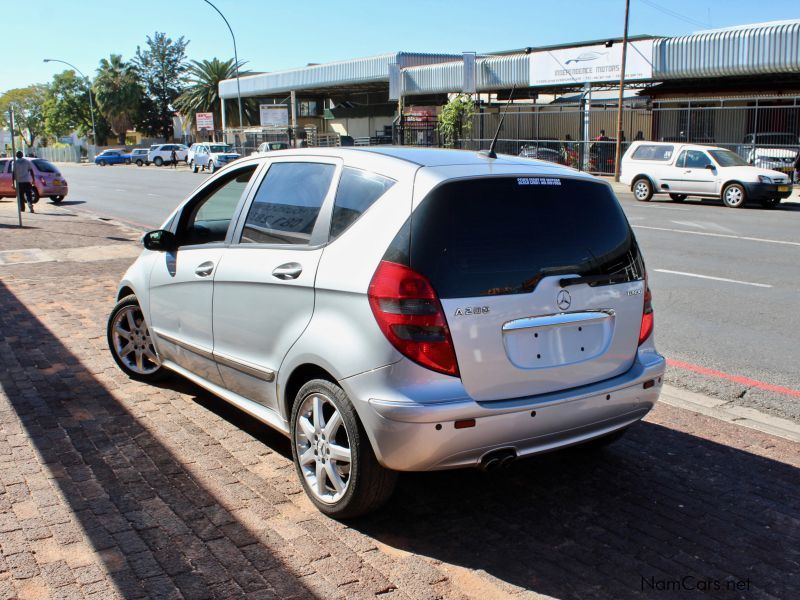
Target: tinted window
pixel 5 165
pixel 653 152
pixel 502 235
pixel 357 191
pixel 208 219
pixel 44 166
pixel 695 159
pixel 287 203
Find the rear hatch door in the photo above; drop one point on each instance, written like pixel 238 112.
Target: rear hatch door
pixel 500 253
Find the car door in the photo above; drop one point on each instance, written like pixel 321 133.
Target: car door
pixel 201 157
pixel 264 286
pixel 6 186
pixel 697 173
pixel 181 282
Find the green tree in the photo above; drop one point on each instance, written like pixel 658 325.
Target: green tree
pixel 202 90
pixel 455 120
pixel 118 94
pixel 161 67
pixel 28 105
pixel 66 106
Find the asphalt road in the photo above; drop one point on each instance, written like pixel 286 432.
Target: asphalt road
pixel 726 282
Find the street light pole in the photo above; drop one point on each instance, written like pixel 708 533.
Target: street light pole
pixel 91 103
pixel 235 64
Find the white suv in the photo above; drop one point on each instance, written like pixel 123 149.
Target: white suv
pixel 683 170
pixel 210 155
pixel 161 154
pixel 399 309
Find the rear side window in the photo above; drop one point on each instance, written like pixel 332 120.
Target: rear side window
pixel 497 236
pixel 287 203
pixel 653 152
pixel 357 191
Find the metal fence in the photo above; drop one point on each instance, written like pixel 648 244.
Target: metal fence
pixel 69 154
pixel 763 134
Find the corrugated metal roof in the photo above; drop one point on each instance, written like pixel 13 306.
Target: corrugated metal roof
pixel 342 73
pixel 492 73
pixel 756 49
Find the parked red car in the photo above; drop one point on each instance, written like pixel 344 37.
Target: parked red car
pixel 48 181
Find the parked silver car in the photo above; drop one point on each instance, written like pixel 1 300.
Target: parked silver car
pixel 398 309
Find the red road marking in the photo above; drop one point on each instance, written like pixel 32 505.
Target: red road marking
pixel 735 378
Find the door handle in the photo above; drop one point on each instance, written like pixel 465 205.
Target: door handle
pixel 204 269
pixel 286 271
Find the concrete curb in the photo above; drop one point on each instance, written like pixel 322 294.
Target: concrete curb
pixel 725 411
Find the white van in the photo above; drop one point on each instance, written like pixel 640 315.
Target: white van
pixel 682 170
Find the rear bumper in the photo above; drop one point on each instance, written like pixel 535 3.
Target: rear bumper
pixel 765 191
pixel 410 435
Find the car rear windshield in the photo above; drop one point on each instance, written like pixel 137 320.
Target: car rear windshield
pixel 502 235
pixel 45 166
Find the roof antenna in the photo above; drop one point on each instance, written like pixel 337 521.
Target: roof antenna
pixel 490 153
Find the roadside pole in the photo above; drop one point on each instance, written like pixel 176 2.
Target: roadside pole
pixel 617 157
pixel 14 161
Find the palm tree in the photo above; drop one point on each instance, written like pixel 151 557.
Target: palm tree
pixel 202 90
pixel 118 93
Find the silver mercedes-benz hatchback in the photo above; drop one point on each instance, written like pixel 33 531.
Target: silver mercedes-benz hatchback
pixel 398 309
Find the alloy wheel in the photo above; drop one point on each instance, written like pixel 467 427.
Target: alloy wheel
pixel 323 448
pixel 641 190
pixel 132 342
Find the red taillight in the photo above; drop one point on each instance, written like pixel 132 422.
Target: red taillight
pixel 647 315
pixel 410 315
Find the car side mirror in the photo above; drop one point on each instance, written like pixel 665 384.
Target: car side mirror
pixel 711 167
pixel 160 240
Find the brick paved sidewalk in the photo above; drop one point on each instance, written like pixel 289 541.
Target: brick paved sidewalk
pixel 110 488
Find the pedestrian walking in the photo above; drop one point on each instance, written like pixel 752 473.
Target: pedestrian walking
pixel 173 157
pixel 797 168
pixel 23 179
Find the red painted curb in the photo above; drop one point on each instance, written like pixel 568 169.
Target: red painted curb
pixel 735 378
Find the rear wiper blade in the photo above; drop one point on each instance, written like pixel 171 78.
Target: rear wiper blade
pixel 615 278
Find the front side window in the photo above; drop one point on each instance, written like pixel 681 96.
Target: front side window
pixel 287 203
pixel 208 218
pixel 726 158
pixel 357 191
pixel 695 159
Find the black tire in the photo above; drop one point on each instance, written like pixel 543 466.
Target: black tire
pixel 36 196
pixel 139 162
pixel 159 374
pixel 678 197
pixel 369 484
pixel 102 163
pixel 211 166
pixel 642 189
pixel 770 202
pixel 158 161
pixel 127 161
pixel 56 199
pixel 734 195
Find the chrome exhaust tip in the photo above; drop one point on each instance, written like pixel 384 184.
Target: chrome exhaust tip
pixel 497 459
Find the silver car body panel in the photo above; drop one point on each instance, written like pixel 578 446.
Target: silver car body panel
pixel 264 330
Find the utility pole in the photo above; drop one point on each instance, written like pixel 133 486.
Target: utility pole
pixel 618 152
pixel 14 160
pixel 236 64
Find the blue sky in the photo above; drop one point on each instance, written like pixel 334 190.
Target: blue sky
pixel 274 34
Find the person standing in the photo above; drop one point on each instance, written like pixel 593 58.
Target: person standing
pixel 173 157
pixel 23 179
pixel 797 168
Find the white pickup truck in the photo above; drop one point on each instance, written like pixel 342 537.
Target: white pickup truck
pixel 683 170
